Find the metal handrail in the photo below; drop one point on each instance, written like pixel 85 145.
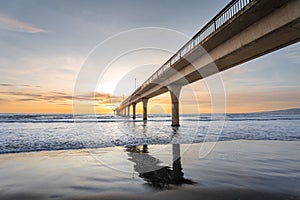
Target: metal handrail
pixel 227 13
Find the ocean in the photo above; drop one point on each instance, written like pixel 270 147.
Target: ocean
pixel 39 132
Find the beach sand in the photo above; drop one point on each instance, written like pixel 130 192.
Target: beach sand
pixel 231 170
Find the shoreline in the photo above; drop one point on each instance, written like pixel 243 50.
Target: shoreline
pixel 120 146
pixel 247 168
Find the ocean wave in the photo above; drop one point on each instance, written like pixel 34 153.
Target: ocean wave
pixel 40 132
pixel 68 118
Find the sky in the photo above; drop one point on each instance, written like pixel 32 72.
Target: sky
pixel 46 45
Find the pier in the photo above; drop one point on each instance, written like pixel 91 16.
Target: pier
pixel 242 31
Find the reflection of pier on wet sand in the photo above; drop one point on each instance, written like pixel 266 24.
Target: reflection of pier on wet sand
pixel 240 169
pixel 149 168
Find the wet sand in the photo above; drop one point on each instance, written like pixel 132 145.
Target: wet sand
pixel 232 170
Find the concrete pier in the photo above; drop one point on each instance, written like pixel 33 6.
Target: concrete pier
pixel 242 31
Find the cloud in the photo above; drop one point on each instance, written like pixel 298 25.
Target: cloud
pixel 12 24
pixel 293 54
pixel 33 95
pixel 99 98
pixel 18 85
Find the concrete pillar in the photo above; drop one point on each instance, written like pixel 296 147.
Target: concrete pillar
pixel 175 92
pixel 133 110
pixel 128 111
pixel 145 102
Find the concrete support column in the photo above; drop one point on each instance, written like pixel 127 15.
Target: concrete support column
pixel 133 110
pixel 175 92
pixel 145 102
pixel 128 111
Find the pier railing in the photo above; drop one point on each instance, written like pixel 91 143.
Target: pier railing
pixel 225 15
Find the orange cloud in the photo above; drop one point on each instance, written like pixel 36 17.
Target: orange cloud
pixel 28 98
